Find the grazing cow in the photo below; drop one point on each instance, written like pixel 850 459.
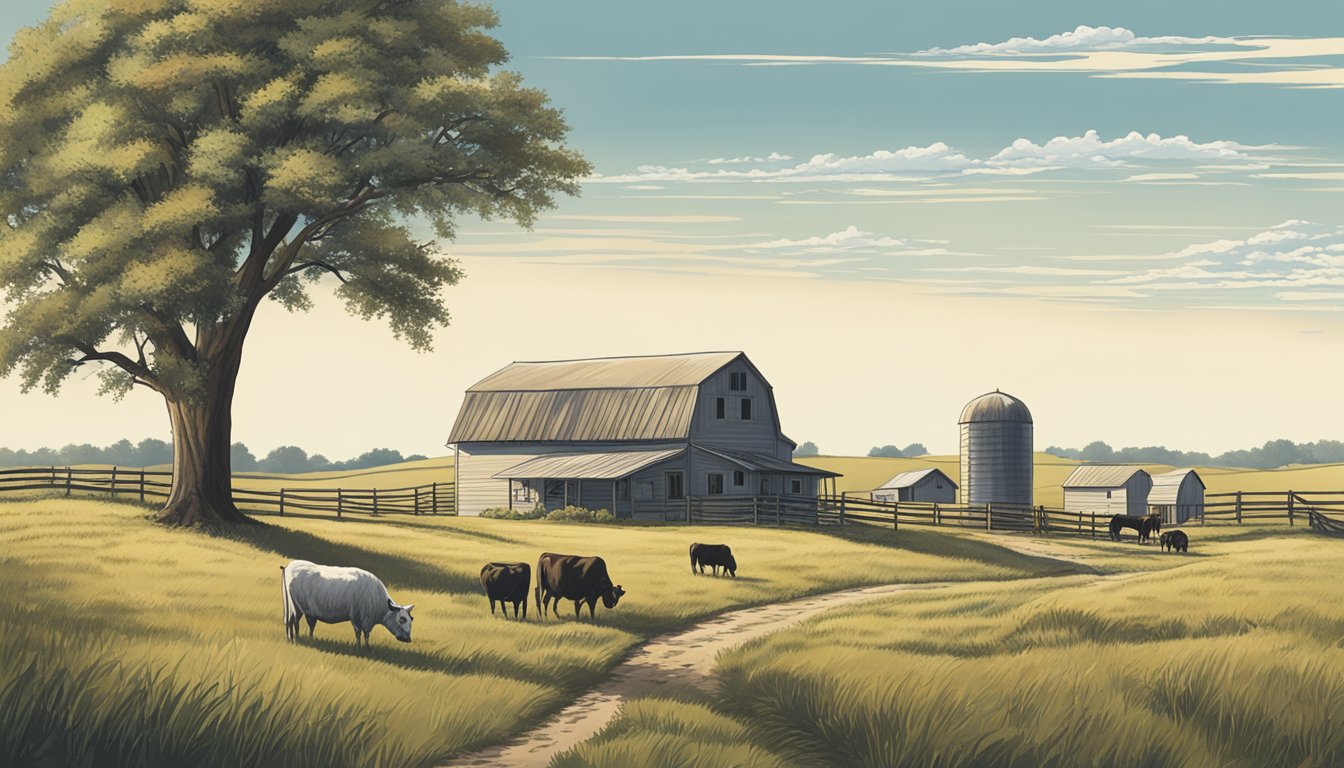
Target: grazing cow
pixel 713 555
pixel 332 595
pixel 507 583
pixel 581 579
pixel 1144 526
pixel 1175 541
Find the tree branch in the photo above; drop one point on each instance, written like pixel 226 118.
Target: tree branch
pixel 139 372
pixel 317 264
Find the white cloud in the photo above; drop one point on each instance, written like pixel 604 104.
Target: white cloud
pixel 1088 151
pixel 849 238
pixel 1084 38
pixel 749 159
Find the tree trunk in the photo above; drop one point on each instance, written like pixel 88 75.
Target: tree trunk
pixel 202 492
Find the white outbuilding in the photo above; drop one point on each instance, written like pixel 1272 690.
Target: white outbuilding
pixel 929 485
pixel 1108 489
pixel 1177 496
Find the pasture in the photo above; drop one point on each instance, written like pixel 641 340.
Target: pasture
pixel 1232 655
pixel 150 646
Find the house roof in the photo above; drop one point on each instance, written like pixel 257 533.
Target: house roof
pixel 913 477
pixel 602 399
pixel 1167 486
pixel 758 462
pixel 611 465
pixel 1101 476
pixel 655 371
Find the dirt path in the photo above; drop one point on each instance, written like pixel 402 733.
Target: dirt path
pixel 685 657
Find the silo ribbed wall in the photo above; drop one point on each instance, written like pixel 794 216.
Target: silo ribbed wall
pixel 996 463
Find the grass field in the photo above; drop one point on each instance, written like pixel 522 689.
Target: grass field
pixel 125 643
pixel 1234 657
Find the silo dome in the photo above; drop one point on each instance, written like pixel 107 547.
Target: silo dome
pixel 996 451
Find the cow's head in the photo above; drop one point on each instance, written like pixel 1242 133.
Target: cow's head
pixel 612 596
pixel 398 620
pixel 731 565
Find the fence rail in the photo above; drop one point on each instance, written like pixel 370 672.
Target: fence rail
pixel 145 485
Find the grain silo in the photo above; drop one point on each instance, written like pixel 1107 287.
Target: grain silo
pixel 996 451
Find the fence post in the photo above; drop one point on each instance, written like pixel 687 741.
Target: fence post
pixel 755 510
pixel 989 517
pixel 1094 525
pixel 52 482
pixel 68 478
pixel 282 502
pixel 935 513
pixel 1238 507
pixel 417 501
pixel 895 514
pixel 114 482
pixel 142 486
pixel 777 520
pixel 375 501
pixel 434 497
pixel 1290 508
pixel 340 503
pixel 842 509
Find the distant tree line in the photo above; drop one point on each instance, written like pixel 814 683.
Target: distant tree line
pixel 893 452
pixel 286 459
pixel 1275 453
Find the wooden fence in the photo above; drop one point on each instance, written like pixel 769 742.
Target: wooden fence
pixel 148 485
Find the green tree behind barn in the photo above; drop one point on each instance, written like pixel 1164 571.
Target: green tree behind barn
pixel 167 166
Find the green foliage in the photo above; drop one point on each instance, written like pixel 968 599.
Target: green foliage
pixel 573 514
pixel 808 448
pixel 894 452
pixel 504 513
pixel 167 165
pixel 1271 455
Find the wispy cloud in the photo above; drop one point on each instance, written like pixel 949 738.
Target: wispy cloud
pixel 1084 38
pixel 749 159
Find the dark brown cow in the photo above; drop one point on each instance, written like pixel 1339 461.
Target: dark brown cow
pixel 507 583
pixel 1175 541
pixel 581 579
pixel 715 556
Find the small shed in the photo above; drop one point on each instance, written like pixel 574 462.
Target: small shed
pixel 1177 496
pixel 918 485
pixel 1108 490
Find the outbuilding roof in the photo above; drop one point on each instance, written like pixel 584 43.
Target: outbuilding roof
pixel 914 477
pixel 1101 476
pixel 757 462
pixel 1167 486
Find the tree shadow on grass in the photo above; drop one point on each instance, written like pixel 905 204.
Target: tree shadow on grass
pixel 964 548
pixel 403 572
pixel 387 520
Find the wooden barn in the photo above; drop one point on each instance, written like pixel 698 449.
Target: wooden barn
pixel 635 435
pixel 1177 496
pixel 918 485
pixel 1108 489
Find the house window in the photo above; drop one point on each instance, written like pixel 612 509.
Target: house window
pixel 720 408
pixel 519 490
pixel 765 485
pixel 676 487
pixel 796 487
pixel 1108 494
pixel 737 381
pixel 715 483
pixel 739 478
pixel 746 409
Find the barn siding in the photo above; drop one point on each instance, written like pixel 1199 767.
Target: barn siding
pixel 1090 500
pixel 760 435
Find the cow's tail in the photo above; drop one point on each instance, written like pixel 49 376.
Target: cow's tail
pixel 291 626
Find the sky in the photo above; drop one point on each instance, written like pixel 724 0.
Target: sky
pixel 1128 215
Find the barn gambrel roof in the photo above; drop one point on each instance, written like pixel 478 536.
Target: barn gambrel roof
pixel 602 399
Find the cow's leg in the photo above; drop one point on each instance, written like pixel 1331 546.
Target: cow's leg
pixel 592 607
pixel 312 622
pixel 524 602
pixel 577 604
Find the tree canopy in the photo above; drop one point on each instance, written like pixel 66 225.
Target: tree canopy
pixel 166 165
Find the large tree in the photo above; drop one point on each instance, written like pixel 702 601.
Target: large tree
pixel 167 165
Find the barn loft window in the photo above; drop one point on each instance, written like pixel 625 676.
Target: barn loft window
pixel 720 408
pixel 676 485
pixel 796 487
pixel 746 409
pixel 715 483
pixel 739 478
pixel 737 381
pixel 1108 494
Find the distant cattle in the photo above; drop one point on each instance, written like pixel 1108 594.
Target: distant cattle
pixel 1175 541
pixel 506 583
pixel 1144 526
pixel 332 595
pixel 581 579
pixel 715 556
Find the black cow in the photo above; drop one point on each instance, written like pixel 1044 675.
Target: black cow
pixel 507 583
pixel 581 579
pixel 1175 541
pixel 715 556
pixel 1144 526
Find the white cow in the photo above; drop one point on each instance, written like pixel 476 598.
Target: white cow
pixel 332 594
